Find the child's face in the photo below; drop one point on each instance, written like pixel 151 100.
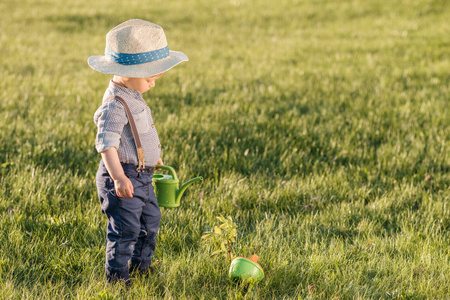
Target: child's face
pixel 142 84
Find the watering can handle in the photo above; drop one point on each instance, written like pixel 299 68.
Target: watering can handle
pixel 170 169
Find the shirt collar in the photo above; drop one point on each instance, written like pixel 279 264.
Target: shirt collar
pixel 120 90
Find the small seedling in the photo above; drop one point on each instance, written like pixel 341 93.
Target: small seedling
pixel 222 236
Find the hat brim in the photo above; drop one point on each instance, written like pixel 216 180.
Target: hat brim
pixel 106 66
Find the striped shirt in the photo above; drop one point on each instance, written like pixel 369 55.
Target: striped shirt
pixel 115 131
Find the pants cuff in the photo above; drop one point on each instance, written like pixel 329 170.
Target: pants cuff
pixel 139 265
pixel 113 275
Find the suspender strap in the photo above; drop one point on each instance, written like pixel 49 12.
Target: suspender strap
pixel 134 132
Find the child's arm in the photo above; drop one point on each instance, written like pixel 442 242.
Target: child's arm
pixel 123 185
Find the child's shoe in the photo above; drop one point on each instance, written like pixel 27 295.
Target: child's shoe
pixel 135 268
pixel 113 277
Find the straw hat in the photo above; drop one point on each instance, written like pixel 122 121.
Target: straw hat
pixel 136 48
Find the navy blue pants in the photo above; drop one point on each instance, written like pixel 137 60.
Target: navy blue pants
pixel 132 222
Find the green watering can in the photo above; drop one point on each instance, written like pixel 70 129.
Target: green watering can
pixel 166 187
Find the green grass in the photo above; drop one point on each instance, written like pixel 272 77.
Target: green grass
pixel 321 127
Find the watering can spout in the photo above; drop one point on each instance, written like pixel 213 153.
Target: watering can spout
pixel 181 190
pixel 166 187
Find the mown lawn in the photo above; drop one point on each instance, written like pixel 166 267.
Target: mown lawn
pixel 320 127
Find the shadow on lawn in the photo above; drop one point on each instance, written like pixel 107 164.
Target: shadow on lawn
pixel 49 153
pixel 56 251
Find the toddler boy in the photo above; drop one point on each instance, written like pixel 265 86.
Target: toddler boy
pixel 137 55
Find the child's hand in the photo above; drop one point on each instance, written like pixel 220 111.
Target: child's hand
pixel 160 162
pixel 124 187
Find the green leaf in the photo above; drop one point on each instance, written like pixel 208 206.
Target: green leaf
pixel 220 218
pixel 216 252
pixel 217 230
pixel 207 236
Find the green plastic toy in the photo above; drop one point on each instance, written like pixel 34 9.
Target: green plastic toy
pixel 246 269
pixel 166 187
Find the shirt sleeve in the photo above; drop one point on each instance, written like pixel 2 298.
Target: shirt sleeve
pixel 110 119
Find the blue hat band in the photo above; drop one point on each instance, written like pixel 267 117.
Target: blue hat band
pixel 137 58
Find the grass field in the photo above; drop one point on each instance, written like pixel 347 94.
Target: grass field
pixel 320 127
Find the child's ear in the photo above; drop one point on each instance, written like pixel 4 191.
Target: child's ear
pixel 125 79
